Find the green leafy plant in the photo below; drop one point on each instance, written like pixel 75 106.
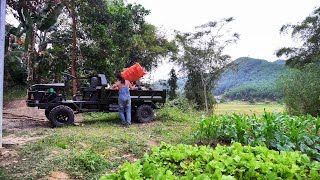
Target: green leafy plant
pixel 234 162
pixel 276 131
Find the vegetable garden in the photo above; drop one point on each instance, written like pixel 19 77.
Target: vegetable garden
pixel 271 146
pixel 233 162
pixel 276 131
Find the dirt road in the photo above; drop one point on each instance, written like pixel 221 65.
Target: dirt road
pixel 21 124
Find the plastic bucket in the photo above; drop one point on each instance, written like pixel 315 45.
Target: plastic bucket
pixel 133 73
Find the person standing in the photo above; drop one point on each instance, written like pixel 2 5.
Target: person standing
pixel 124 99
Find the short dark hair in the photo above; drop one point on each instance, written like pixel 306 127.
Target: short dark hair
pixel 120 78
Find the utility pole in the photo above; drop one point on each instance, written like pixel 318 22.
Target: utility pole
pixel 2 45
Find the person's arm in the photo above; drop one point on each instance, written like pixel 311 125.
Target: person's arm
pixel 115 86
pixel 130 85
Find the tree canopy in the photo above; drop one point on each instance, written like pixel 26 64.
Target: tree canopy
pixel 308 31
pixel 111 35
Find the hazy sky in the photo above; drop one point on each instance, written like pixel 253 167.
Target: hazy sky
pixel 257 21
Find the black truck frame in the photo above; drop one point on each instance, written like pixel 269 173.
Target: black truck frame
pixel 95 98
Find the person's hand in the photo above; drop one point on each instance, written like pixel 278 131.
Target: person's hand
pixel 115 86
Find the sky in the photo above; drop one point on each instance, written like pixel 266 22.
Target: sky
pixel 257 21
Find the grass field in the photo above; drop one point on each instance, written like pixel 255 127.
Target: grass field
pixel 100 145
pixel 247 108
pixel 99 141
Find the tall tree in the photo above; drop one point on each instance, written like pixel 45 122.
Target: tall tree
pixel 71 7
pixel 14 68
pixel 300 86
pixel 36 19
pixel 110 35
pixel 308 31
pixel 172 82
pixel 203 57
pixel 117 36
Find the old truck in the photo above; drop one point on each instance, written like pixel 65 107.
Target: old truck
pixel 93 98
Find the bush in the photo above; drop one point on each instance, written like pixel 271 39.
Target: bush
pixel 177 110
pixel 301 90
pixel 234 162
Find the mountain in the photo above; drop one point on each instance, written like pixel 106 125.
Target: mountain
pixel 250 71
pixel 280 61
pixel 247 78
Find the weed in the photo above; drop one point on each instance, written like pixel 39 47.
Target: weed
pixel 101 117
pixel 136 147
pixel 88 161
pixel 158 130
pixel 3 174
pixel 37 165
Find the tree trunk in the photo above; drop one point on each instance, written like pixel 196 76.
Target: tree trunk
pixel 205 92
pixel 74 46
pixel 31 55
pixel 205 98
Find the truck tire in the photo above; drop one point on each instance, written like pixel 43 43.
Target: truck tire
pixel 61 116
pixel 144 113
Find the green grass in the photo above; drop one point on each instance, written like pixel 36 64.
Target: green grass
pixel 13 93
pixel 100 145
pixel 247 108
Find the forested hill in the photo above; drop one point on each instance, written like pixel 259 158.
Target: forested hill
pixel 250 72
pixel 249 79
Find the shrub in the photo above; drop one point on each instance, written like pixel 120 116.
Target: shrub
pixel 301 90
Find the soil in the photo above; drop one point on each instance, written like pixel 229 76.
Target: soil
pixel 154 142
pixel 18 117
pixel 57 175
pixel 20 124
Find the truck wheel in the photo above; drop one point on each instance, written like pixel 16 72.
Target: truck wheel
pixel 144 113
pixel 61 116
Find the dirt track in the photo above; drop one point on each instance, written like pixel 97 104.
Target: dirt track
pixel 21 124
pixel 17 116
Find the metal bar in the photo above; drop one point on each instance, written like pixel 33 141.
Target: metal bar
pixel 2 45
